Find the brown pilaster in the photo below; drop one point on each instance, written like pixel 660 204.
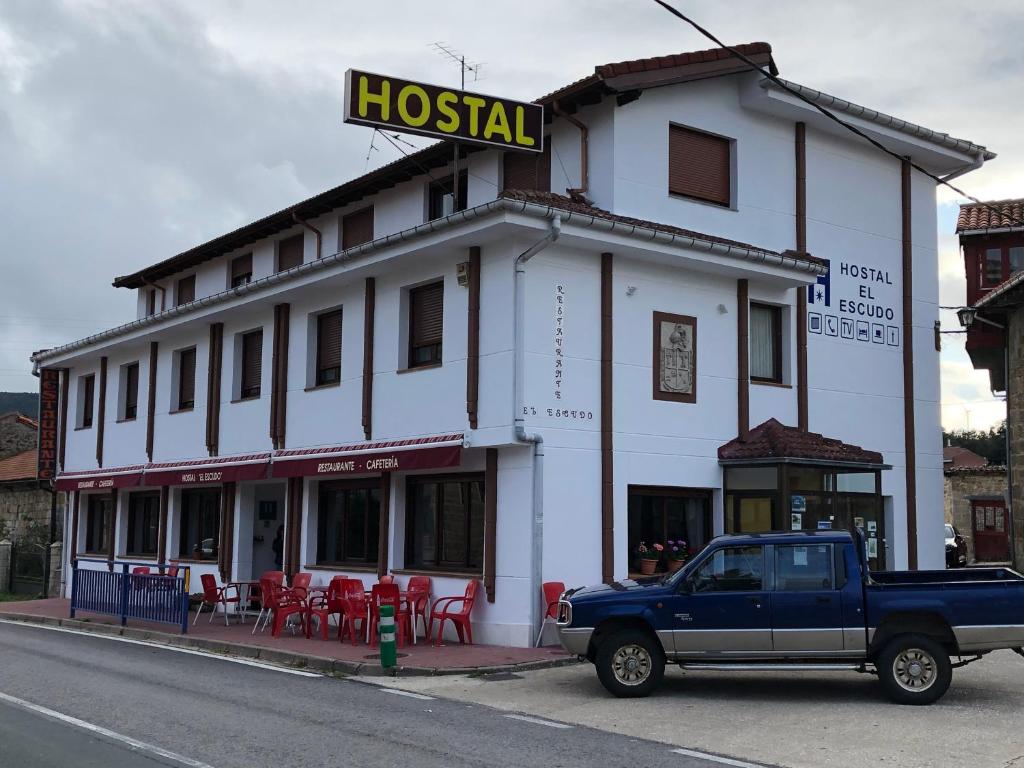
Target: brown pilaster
pixel 293 531
pixel 607 455
pixel 384 524
pixel 369 306
pixel 801 293
pixel 473 338
pixel 213 387
pixel 161 531
pixel 490 521
pixel 154 348
pixel 101 411
pixel 226 554
pixel 909 440
pixel 743 359
pixel 279 376
pixel 112 532
pixel 62 440
pixel 75 497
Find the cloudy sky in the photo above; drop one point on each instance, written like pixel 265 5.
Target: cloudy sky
pixel 132 130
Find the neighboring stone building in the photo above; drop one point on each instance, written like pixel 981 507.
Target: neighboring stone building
pixel 955 457
pixel 975 500
pixel 24 505
pixel 18 433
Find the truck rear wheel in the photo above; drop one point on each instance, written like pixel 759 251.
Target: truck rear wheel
pixel 914 669
pixel 630 663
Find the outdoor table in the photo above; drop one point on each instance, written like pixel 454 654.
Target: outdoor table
pixel 403 597
pixel 245 589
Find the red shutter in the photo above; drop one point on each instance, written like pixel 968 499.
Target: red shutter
pixel 699 165
pixel 252 363
pixel 186 378
pixel 527 170
pixel 186 291
pixel 328 347
pixel 357 228
pixel 290 252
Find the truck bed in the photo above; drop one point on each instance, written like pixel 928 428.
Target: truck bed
pixel 955 576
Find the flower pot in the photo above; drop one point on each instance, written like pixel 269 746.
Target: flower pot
pixel 647 567
pixel 675 565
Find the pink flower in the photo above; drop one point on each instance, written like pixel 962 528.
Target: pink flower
pixel 658 547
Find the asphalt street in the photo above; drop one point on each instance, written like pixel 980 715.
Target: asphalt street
pixel 214 712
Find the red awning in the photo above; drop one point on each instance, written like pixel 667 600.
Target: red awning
pixel 91 480
pixel 371 458
pixel 223 469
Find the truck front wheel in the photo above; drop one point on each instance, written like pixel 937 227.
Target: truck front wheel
pixel 914 669
pixel 630 663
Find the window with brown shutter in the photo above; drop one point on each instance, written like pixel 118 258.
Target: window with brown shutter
pixel 699 165
pixel 241 270
pixel 527 170
pixel 186 379
pixel 87 389
pixel 765 343
pixel 186 291
pixel 251 364
pixel 426 308
pixel 328 348
pixel 357 228
pixel 131 391
pixel 441 199
pixel 289 252
pixel 151 302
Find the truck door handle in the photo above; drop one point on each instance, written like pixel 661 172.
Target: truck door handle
pixel 756 601
pixel 823 599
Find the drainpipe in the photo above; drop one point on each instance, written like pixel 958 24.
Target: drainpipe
pixel 311 228
pixel 520 435
pixel 163 294
pixel 584 149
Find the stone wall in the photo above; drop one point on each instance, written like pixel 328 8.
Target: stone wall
pixel 15 435
pixel 25 513
pixel 1015 425
pixel 964 484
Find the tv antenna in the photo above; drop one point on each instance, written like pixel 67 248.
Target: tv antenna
pixel 450 53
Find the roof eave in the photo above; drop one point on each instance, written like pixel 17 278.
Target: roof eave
pixel 799 460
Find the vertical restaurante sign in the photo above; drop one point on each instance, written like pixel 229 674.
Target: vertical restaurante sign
pixel 429 110
pixel 49 400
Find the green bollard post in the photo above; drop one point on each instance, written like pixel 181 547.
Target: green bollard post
pixel 386 628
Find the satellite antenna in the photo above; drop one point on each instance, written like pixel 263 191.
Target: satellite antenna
pixel 448 52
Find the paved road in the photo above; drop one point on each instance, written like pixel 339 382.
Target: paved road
pixel 229 715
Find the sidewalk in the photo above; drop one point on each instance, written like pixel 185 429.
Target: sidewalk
pixel 328 656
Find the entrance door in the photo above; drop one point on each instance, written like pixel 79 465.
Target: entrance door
pixel 723 609
pixel 807 611
pixel 991 531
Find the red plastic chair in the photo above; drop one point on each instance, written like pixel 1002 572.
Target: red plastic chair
pixel 256 593
pixel 282 603
pixel 323 605
pixel 419 601
pixel 552 590
pixel 354 603
pixel 387 578
pixel 212 595
pixel 141 570
pixel 300 585
pixel 389 594
pixel 460 618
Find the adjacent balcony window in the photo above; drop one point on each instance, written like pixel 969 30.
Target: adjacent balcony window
pixel 241 270
pixel 328 348
pixel 426 310
pixel 765 343
pixel 251 364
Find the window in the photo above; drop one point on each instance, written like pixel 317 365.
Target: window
pixel 441 198
pixel 290 252
pixel 348 523
pixel 445 523
pixel 328 348
pixel 357 228
pixel 732 569
pixel 186 291
pixel 130 382
pixel 199 524
pixel 143 524
pixel 251 364
pixel 97 523
pixel 527 170
pixel 426 305
pixel 804 568
pixel 660 515
pixel 151 302
pixel 241 270
pixel 86 400
pixel 186 379
pixel 1016 260
pixel 765 343
pixel 993 266
pixel 699 165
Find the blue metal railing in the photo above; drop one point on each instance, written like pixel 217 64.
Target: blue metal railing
pixel 114 590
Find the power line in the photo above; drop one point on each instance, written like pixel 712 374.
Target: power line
pixel 829 114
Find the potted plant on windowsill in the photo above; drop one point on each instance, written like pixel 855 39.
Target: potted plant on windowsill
pixel 678 554
pixel 649 557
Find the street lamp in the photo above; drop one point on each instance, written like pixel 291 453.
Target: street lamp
pixel 966 316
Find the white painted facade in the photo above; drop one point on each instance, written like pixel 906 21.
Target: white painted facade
pixel 855 387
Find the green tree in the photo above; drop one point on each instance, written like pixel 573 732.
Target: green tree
pixel 991 443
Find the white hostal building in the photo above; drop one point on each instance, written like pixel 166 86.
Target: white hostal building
pixel 707 328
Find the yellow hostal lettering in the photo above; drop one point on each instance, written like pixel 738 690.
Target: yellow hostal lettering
pixel 497 122
pixel 366 98
pixel 403 105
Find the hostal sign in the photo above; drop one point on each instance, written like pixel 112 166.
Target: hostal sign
pixel 429 110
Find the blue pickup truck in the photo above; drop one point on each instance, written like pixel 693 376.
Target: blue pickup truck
pixel 795 601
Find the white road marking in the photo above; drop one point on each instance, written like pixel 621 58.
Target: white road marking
pixel 162 646
pixel 410 694
pixel 537 721
pixel 716 758
pixel 135 744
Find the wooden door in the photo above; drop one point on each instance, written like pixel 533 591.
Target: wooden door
pixel 991 531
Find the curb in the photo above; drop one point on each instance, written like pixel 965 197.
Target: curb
pixel 324 665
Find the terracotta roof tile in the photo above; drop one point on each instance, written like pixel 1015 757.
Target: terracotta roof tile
pixel 773 440
pixel 20 466
pixel 991 215
pixel 955 456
